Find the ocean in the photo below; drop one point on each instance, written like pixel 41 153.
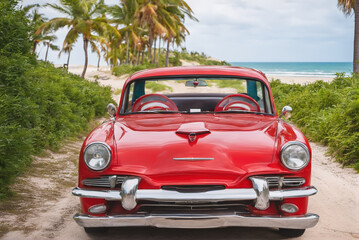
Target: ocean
pixel 300 69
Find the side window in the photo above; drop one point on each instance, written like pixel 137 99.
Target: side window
pixel 268 101
pixel 260 95
pixel 130 96
pixel 259 90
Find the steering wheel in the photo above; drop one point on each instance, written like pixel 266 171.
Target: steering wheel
pixel 154 102
pixel 240 102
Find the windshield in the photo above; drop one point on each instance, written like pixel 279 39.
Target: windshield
pixel 197 95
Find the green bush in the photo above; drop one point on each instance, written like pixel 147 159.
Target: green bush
pixel 174 60
pixel 326 112
pixel 201 59
pixel 39 104
pixel 49 106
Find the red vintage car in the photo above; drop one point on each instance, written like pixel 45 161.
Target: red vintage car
pixel 196 147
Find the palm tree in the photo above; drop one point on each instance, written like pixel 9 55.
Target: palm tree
pixel 67 49
pixel 173 16
pixel 47 41
pixel 124 14
pixel 148 16
pixel 36 20
pixel 177 35
pixel 84 17
pixel 348 6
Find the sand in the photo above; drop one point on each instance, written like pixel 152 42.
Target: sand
pixel 298 80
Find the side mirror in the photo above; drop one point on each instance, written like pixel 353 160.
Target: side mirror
pixel 286 112
pixel 111 110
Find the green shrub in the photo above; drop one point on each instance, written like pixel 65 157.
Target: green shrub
pixel 39 104
pixel 49 106
pixel 174 60
pixel 326 112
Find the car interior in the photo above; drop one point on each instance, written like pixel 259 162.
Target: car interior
pixel 255 99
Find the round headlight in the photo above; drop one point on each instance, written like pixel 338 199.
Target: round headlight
pixel 97 156
pixel 295 155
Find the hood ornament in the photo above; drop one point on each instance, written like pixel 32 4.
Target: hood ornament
pixel 192 130
pixel 192 137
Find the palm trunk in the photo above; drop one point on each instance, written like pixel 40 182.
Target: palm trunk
pixel 356 38
pixel 167 52
pixel 159 52
pixel 98 62
pixel 86 43
pixel 68 59
pixel 138 57
pixel 127 48
pixel 34 47
pixel 154 52
pixel 47 51
pixel 143 56
pixel 150 42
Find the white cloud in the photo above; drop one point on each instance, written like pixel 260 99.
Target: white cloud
pixel 260 30
pixel 276 30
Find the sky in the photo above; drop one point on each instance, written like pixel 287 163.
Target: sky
pixel 251 31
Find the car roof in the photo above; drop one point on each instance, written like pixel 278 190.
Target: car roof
pixel 200 70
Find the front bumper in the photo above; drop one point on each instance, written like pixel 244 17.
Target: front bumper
pixel 198 221
pixel 260 194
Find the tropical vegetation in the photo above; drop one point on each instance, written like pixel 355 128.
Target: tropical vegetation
pixel 40 105
pixel 174 58
pixel 326 112
pixel 130 32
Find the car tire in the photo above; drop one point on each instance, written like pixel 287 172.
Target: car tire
pixel 95 230
pixel 287 232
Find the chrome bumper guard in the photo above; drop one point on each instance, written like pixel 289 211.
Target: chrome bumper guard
pixel 260 193
pixel 198 221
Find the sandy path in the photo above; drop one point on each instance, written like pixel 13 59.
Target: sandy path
pixel 32 217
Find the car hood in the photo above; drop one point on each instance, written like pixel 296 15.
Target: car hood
pixel 225 146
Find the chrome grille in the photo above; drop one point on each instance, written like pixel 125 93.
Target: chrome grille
pixel 152 207
pixel 273 182
pixel 278 182
pixel 193 188
pixel 103 181
pixel 293 181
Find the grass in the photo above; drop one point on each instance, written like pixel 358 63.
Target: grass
pixel 157 87
pixel 117 91
pixel 236 84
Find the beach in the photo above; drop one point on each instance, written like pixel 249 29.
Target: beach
pixel 105 77
pixel 298 79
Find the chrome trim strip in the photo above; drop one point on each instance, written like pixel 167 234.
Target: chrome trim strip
pixel 193 159
pixel 198 221
pixel 161 195
pixel 110 195
pixel 292 193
